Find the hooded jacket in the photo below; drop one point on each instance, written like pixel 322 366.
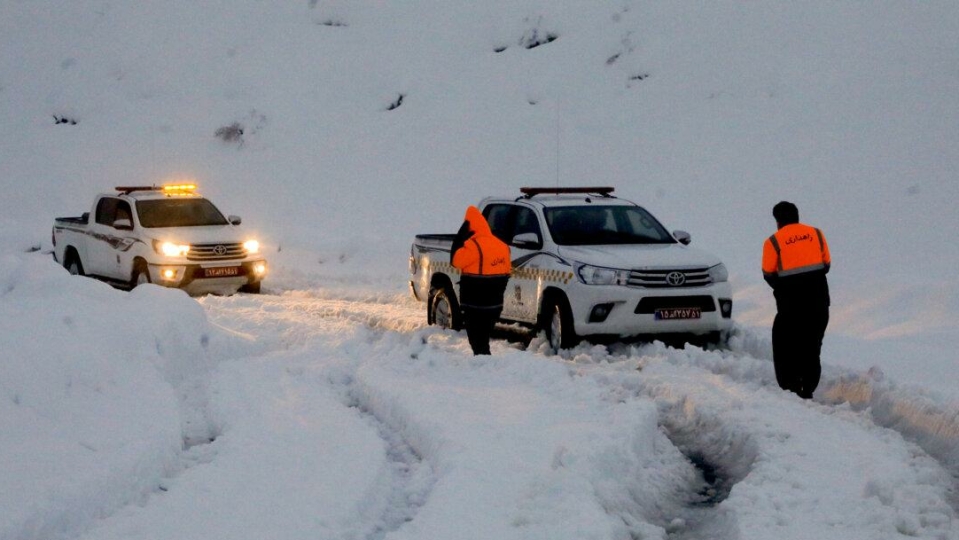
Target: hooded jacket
pixel 483 260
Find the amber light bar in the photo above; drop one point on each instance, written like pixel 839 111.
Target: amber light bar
pixel 179 188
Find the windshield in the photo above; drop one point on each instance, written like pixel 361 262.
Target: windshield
pixel 604 225
pixel 158 213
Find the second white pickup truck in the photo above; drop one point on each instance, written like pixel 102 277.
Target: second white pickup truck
pixel 586 264
pixel 168 235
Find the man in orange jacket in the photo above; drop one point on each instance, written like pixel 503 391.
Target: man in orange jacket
pixel 795 263
pixel 485 265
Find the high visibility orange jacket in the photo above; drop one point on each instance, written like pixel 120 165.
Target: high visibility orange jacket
pixel 481 253
pixel 795 262
pixel 484 262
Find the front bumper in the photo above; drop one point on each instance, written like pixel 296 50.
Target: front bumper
pixel 194 278
pixel 632 311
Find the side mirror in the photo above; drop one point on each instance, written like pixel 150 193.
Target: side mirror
pixel 527 241
pixel 123 225
pixel 682 237
pixel 234 220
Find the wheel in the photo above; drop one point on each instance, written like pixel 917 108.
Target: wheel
pixel 712 340
pixel 442 308
pixel 141 274
pixel 73 264
pixel 252 288
pixel 556 320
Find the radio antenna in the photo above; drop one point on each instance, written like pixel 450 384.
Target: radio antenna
pixel 556 111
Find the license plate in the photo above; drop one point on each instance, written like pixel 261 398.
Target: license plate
pixel 678 313
pixel 222 271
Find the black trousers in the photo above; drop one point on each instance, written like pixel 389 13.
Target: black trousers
pixel 797 344
pixel 479 326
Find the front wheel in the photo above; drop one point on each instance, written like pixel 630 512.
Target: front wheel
pixel 251 288
pixel 443 309
pixel 73 264
pixel 556 320
pixel 141 275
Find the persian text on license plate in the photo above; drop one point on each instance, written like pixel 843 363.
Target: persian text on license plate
pixel 678 313
pixel 222 271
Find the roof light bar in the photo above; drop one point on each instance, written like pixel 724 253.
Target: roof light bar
pixel 130 189
pixel 179 188
pixel 530 192
pixel 169 189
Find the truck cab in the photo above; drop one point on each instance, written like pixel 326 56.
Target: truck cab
pixel 169 235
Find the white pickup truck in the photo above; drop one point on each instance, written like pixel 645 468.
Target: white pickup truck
pixel 586 264
pixel 168 235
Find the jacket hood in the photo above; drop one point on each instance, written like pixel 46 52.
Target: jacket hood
pixel 477 223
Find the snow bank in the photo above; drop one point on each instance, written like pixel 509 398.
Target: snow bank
pixel 99 390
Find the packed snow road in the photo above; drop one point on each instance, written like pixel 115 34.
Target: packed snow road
pixel 347 418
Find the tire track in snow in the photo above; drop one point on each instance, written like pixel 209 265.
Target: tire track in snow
pixel 863 399
pixel 723 454
pixel 301 317
pixel 930 423
pixel 410 476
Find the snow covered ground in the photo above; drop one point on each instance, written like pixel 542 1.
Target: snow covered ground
pixel 326 408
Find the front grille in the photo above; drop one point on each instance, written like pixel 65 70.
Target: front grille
pixel 215 252
pixel 652 303
pixel 691 277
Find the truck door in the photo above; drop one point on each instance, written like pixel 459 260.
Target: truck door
pixel 107 241
pixel 519 227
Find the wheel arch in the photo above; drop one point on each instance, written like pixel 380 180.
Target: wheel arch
pixel 549 294
pixel 440 281
pixel 139 264
pixel 71 253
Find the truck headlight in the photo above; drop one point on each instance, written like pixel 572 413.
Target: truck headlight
pixel 170 249
pixel 719 273
pixel 598 275
pixel 251 246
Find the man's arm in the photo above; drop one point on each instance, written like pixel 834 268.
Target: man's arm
pixel 462 236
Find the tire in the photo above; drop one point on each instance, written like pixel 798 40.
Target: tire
pixel 442 308
pixel 713 341
pixel 251 288
pixel 141 275
pixel 556 321
pixel 73 264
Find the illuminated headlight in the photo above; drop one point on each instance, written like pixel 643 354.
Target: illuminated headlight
pixel 259 269
pixel 170 249
pixel 597 275
pixel 251 246
pixel 168 274
pixel 719 273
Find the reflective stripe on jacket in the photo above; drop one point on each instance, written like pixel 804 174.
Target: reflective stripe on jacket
pixel 795 249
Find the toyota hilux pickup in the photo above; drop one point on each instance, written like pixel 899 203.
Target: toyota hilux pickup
pixel 168 235
pixel 586 264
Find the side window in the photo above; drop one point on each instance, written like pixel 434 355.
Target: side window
pixel 123 212
pixel 107 211
pixel 500 218
pixel 526 222
pixel 508 220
